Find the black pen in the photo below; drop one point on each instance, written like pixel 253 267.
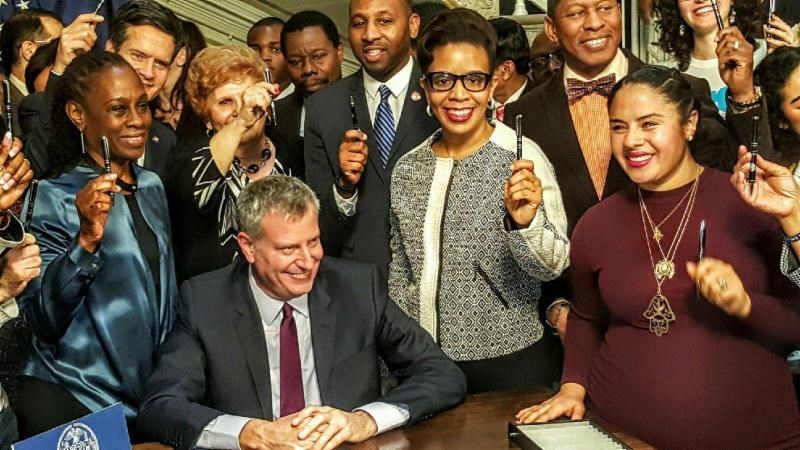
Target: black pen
pixel 751 177
pixel 272 115
pixel 715 5
pixel 7 102
pixel 353 114
pixel 107 158
pixel 701 251
pixel 519 136
pixel 32 189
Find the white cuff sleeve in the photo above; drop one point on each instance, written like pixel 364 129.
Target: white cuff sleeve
pixel 346 206
pixel 386 415
pixel 222 433
pixel 8 310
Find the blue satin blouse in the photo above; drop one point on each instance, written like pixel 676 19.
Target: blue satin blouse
pixel 97 318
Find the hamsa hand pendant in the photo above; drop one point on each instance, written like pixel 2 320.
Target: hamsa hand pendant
pixel 660 314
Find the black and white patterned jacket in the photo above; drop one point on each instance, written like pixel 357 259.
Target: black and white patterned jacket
pixel 473 285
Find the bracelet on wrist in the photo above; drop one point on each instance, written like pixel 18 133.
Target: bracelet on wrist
pixel 559 308
pixel 750 104
pixel 791 239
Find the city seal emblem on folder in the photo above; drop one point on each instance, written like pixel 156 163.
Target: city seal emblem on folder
pixel 78 436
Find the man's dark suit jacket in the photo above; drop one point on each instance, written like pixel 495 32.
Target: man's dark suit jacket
pixel 286 134
pixel 548 121
pixel 215 360
pixel 365 236
pixel 36 111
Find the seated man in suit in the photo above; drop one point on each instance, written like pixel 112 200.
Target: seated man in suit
pixel 262 343
pixel 314 54
pixel 513 64
pixel 568 117
pixel 147 35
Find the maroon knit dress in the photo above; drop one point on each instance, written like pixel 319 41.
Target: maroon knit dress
pixel 713 381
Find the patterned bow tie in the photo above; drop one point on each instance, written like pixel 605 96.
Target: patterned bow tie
pixel 576 89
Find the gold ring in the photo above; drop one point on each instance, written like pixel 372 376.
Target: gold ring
pixel 722 283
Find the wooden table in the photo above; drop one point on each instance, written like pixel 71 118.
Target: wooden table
pixel 480 423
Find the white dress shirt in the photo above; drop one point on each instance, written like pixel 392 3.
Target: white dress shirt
pixel 223 432
pixel 398 85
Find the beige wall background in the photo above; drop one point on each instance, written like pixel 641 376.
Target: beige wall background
pixel 227 21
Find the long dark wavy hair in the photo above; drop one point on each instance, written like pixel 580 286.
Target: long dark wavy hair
pixel 77 81
pixel 749 19
pixel 772 75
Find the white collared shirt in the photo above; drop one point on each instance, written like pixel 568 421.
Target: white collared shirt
pixel 514 97
pixel 618 66
pixel 398 85
pixel 223 431
pixel 19 84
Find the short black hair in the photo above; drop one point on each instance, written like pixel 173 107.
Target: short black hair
pixel 266 22
pixel 144 12
pixel 307 19
pixel 426 10
pixel 42 60
pixel 23 25
pixel 456 26
pixel 512 43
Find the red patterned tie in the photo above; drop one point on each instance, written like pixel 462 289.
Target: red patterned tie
pixel 576 89
pixel 501 113
pixel 292 398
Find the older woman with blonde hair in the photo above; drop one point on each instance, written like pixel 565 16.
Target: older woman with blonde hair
pixel 226 89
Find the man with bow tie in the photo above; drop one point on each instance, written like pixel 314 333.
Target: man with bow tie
pixel 568 117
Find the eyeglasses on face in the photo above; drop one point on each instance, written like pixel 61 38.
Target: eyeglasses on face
pixel 546 61
pixel 445 81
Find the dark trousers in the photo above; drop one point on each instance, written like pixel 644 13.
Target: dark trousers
pixel 41 406
pixel 537 365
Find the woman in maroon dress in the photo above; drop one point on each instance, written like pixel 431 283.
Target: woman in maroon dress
pixel 679 352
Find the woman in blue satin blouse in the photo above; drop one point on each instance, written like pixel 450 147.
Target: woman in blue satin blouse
pixel 107 294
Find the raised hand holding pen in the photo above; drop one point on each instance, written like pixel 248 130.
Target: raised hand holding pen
pixel 735 59
pixel 94 203
pixel 353 155
pixel 15 172
pixel 522 195
pixel 78 37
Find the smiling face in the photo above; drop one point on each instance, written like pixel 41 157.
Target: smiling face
pixel 149 51
pixel 380 35
pixel 790 101
pixel 285 256
pixel 314 62
pixel 118 111
pixel 588 32
pixel 699 15
pixel 459 111
pixel 649 139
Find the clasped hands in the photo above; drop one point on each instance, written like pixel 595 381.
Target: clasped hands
pixel 315 428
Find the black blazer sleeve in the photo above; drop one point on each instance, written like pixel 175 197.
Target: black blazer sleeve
pixel 172 411
pixel 429 381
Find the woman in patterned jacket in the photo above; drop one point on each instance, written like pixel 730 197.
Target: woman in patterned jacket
pixel 473 230
pixel 226 89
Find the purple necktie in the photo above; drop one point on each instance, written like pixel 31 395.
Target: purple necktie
pixel 292 399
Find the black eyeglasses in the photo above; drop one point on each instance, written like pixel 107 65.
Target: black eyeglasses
pixel 444 81
pixel 547 61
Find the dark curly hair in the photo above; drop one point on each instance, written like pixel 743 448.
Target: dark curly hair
pixel 749 19
pixel 74 85
pixel 772 75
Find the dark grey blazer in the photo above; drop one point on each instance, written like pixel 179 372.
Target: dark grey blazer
pixel 365 236
pixel 215 360
pixel 286 134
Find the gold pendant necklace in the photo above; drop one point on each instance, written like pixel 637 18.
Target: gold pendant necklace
pixel 659 313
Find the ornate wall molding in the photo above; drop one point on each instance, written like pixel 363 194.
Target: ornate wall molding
pixel 487 8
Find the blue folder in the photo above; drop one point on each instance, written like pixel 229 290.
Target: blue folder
pixel 103 430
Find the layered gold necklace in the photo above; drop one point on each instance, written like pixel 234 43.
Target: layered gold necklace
pixel 659 312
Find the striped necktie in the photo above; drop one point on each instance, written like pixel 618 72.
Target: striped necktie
pixel 384 125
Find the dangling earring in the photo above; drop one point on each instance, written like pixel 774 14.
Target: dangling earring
pixel 732 16
pixel 83 145
pixel 491 104
pixel 682 29
pixel 428 111
pixel 210 132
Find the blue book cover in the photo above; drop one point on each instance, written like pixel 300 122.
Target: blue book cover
pixel 103 430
